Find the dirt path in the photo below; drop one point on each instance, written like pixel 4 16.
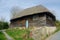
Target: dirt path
pixel 56 36
pixel 7 36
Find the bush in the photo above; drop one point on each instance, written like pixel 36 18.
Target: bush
pixel 57 25
pixel 4 25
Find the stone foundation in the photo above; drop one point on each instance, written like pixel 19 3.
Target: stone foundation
pixel 40 33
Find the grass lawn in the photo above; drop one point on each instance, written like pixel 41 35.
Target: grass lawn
pixel 18 34
pixel 2 36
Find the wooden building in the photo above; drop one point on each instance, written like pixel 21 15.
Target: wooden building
pixel 36 16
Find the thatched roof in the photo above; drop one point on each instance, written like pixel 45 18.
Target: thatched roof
pixel 32 10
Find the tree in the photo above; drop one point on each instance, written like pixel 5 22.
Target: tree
pixel 2 19
pixel 15 12
pixel 1 27
pixel 3 24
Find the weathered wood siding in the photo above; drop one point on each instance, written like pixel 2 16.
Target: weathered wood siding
pixel 50 21
pixel 36 20
pixel 18 23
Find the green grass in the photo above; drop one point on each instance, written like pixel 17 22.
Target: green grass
pixel 2 36
pixel 19 34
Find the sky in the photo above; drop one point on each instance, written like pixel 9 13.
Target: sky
pixel 7 5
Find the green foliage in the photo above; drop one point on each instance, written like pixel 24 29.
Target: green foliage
pixel 19 34
pixel 57 25
pixel 2 36
pixel 3 25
